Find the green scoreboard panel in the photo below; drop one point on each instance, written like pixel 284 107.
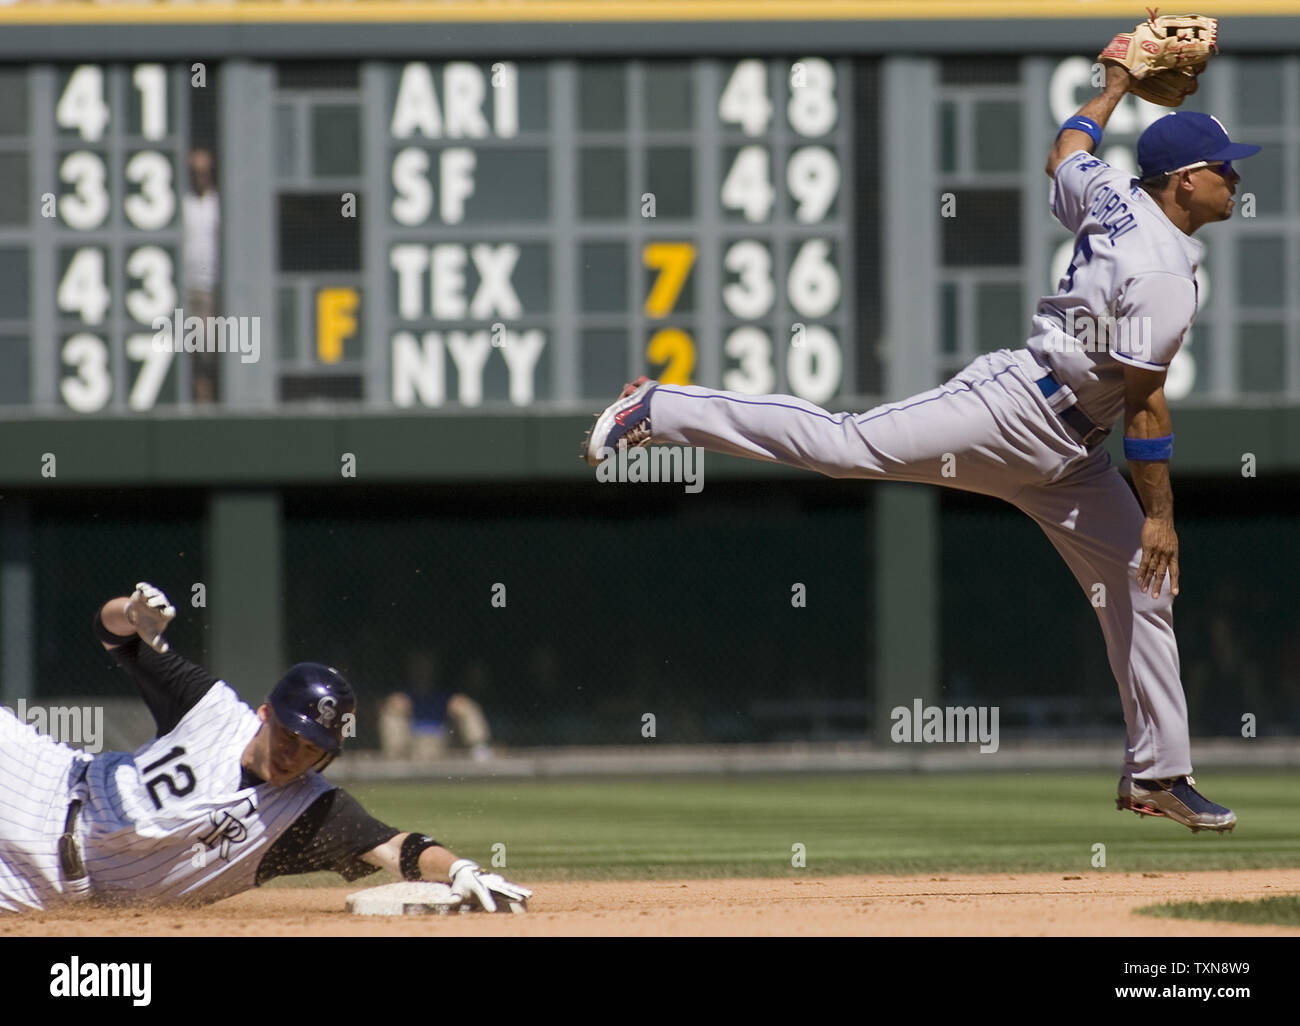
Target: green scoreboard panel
pixel 433 235
pixel 549 230
pixel 89 233
pixel 515 234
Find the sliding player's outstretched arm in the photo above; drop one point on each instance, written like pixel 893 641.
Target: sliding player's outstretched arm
pixel 417 857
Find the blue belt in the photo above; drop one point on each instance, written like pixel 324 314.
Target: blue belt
pixel 1090 434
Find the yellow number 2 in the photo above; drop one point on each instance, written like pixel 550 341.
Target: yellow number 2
pixel 673 347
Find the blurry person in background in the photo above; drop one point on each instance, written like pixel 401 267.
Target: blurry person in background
pixel 201 214
pixel 421 721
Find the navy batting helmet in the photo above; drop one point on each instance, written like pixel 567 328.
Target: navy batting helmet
pixel 313 701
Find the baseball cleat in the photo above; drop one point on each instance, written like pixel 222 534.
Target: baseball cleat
pixel 625 424
pixel 1176 799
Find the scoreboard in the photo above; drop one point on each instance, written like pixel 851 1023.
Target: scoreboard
pixel 90 234
pixel 687 220
pixel 519 234
pixel 414 234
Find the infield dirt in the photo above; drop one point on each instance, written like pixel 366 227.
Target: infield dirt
pixel 1028 904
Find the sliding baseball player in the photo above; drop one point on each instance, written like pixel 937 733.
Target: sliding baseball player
pixel 222 799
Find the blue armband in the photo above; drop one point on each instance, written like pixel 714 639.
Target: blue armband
pixel 1149 449
pixel 1081 124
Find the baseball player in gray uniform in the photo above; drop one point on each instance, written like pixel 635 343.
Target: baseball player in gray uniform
pixel 221 800
pixel 1026 425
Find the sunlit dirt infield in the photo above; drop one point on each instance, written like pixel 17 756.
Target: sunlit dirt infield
pixel 1030 904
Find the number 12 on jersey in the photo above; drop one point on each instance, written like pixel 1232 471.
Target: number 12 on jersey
pixel 169 779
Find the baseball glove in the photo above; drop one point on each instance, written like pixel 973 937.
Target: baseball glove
pixel 1164 55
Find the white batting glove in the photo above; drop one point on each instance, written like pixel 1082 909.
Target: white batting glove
pixel 474 885
pixel 149 611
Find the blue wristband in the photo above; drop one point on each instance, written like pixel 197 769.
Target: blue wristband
pixel 1149 449
pixel 1081 124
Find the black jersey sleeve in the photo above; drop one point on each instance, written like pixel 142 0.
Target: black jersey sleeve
pixel 332 835
pixel 169 684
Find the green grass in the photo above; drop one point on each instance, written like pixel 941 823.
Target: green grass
pixel 1283 910
pixel 649 828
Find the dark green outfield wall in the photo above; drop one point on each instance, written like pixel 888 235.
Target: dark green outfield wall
pixel 276 451
pixel 621 601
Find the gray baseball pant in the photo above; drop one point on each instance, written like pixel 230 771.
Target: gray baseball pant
pixel 992 431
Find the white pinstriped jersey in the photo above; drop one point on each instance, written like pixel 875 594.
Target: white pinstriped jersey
pixel 1129 294
pixel 171 822
pixel 178 820
pixel 35 772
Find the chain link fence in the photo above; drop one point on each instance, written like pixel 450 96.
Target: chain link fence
pixel 605 616
pixel 743 619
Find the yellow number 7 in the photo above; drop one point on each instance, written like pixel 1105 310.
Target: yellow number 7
pixel 673 261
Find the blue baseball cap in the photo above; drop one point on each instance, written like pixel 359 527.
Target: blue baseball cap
pixel 1186 137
